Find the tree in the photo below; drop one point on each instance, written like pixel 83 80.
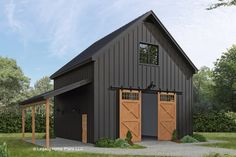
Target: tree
pixel 225 80
pixel 42 85
pixel 202 89
pixel 13 83
pixel 222 3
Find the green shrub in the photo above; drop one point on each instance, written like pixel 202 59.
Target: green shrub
pixel 214 122
pixel 105 142
pixel 199 137
pixel 174 136
pixel 118 143
pixel 11 119
pixel 188 139
pixel 3 150
pixel 121 143
pixel 129 137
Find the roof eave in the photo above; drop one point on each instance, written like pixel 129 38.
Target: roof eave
pixel 175 43
pixel 42 97
pixel 194 68
pixel 56 74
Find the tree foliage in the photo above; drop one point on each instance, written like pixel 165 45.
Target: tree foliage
pixel 42 85
pixel 214 121
pixel 15 87
pixel 216 89
pixel 221 3
pixel 13 83
pixel 203 89
pixel 10 120
pixel 225 80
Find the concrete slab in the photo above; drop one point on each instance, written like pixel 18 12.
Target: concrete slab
pixel 165 148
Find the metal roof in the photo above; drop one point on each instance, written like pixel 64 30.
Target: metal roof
pixel 55 92
pixel 86 55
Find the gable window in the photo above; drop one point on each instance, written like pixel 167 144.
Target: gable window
pixel 148 54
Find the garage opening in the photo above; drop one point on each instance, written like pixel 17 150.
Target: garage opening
pixel 149 116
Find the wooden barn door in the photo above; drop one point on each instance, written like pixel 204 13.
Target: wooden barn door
pixel 166 115
pixel 130 114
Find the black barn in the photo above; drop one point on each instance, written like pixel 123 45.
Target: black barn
pixel 137 78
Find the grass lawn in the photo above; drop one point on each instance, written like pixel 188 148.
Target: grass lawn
pixel 19 148
pixel 229 137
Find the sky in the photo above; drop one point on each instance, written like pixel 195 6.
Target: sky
pixel 44 35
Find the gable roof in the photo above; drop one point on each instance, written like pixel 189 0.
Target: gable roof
pixel 86 55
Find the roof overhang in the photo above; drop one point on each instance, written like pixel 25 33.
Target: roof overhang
pixel 40 99
pixel 170 37
pixel 87 55
pixel 61 71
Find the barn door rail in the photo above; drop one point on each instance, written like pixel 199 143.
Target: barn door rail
pixel 146 90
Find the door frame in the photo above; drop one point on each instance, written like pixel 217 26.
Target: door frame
pixel 158 106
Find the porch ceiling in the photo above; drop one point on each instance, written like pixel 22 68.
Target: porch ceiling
pixel 42 97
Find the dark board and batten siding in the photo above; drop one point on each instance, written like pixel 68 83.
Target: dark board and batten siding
pixel 68 122
pixel 118 65
pixel 78 74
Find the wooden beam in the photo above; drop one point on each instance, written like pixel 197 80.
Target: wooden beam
pixel 33 104
pixel 33 124
pixel 47 123
pixel 23 123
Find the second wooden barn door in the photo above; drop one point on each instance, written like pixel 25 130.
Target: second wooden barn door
pixel 166 115
pixel 130 114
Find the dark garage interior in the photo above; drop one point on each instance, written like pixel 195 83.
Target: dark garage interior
pixel 149 115
pixel 68 113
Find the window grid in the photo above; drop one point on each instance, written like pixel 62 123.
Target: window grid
pixel 130 96
pixel 167 98
pixel 148 54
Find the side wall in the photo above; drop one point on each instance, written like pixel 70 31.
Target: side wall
pixel 70 106
pixel 118 65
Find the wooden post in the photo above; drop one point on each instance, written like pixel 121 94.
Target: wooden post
pixel 84 128
pixel 33 124
pixel 23 123
pixel 47 123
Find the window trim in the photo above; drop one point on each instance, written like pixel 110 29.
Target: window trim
pixel 148 64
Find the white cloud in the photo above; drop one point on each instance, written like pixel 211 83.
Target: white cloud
pixel 73 25
pixel 61 21
pixel 204 34
pixel 46 21
pixel 10 11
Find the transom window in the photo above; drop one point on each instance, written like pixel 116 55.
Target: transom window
pixel 167 98
pixel 130 96
pixel 148 54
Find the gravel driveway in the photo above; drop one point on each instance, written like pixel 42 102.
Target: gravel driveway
pixel 165 148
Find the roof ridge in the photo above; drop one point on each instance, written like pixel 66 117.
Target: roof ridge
pixel 93 48
pixel 86 55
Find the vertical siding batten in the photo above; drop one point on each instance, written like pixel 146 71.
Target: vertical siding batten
pixel 106 85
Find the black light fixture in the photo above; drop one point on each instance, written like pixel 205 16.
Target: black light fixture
pixel 151 86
